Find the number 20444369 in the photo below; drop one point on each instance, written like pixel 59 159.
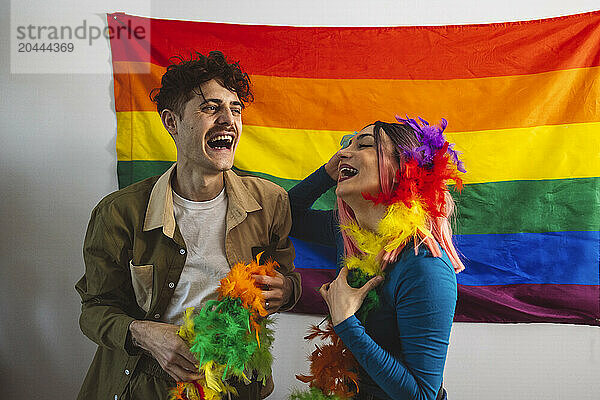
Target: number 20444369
pixel 26 47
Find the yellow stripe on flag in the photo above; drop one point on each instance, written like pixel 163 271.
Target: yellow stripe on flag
pixel 543 152
pixel 285 153
pixel 142 136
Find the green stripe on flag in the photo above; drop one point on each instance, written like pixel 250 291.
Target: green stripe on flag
pixel 129 172
pixel 498 207
pixel 556 205
pixel 325 202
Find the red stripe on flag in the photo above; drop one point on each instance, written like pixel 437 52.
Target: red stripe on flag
pixel 425 52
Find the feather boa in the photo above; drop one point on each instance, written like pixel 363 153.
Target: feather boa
pixel 332 366
pixel 418 197
pixel 230 336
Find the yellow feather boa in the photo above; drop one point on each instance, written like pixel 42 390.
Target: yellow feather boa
pixel 399 225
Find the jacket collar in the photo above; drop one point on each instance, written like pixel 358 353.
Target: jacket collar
pixel 159 212
pixel 240 200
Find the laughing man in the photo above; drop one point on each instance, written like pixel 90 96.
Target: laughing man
pixel 162 245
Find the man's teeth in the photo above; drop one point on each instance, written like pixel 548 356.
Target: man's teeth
pixel 221 141
pixel 348 171
pixel 222 137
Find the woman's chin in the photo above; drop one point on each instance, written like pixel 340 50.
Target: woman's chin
pixel 341 192
pixel 351 193
pixel 349 197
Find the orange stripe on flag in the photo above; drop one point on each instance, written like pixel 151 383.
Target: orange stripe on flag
pixel 551 98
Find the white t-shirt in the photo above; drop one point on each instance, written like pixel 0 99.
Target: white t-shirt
pixel 202 225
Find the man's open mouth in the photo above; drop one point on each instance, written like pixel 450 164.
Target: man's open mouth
pixel 221 142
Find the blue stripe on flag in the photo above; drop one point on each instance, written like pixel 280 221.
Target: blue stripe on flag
pixel 540 258
pixel 311 255
pixel 502 259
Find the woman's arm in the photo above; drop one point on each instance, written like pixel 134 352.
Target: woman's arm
pixel 317 226
pixel 424 295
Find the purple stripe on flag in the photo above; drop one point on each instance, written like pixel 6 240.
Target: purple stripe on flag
pixel 311 301
pixel 571 304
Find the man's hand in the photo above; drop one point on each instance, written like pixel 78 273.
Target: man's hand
pixel 277 290
pixel 342 299
pixel 171 352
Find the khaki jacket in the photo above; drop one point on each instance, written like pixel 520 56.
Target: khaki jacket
pixel 134 254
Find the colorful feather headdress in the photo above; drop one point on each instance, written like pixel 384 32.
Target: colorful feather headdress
pixel 416 210
pixel 230 336
pixel 426 172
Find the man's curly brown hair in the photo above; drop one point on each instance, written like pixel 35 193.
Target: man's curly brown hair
pixel 184 77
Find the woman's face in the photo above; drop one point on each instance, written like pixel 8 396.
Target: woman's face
pixel 358 167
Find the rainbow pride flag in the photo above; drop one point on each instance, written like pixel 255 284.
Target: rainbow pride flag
pixel 523 104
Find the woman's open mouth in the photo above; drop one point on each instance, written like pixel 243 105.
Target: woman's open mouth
pixel 346 172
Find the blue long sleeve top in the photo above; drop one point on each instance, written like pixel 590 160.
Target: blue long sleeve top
pixel 316 226
pixel 402 346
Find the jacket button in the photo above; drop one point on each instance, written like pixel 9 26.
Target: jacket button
pixel 156 316
pixel 182 251
pixel 116 397
pixel 171 285
pixel 126 372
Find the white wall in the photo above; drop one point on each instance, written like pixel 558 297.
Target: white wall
pixel 58 160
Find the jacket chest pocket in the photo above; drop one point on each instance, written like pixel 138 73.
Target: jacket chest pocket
pixel 268 250
pixel 141 279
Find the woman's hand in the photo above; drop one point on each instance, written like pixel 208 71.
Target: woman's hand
pixel 332 166
pixel 342 299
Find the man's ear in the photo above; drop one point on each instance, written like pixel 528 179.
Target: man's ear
pixel 169 121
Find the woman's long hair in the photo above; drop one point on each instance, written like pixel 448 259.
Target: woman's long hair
pixel 402 136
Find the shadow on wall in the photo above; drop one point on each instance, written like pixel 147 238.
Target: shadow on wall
pixel 40 246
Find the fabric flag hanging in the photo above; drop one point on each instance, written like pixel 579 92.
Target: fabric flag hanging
pixel 523 104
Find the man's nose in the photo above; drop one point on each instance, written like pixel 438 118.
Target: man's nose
pixel 225 117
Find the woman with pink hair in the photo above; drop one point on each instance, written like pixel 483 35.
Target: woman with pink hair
pixel 393 302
